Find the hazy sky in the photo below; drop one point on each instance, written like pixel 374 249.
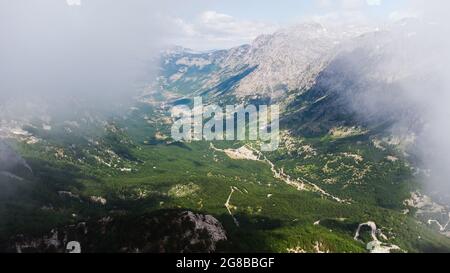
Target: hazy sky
pixel 212 24
pixel 218 23
pixel 98 49
pixel 95 51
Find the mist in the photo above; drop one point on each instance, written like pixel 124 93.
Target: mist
pixel 57 57
pixel 423 59
pixel 64 60
pixel 59 60
pixel 402 73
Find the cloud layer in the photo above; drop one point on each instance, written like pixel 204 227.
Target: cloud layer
pixel 61 52
pixel 214 30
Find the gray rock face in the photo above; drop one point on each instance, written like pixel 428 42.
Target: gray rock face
pixel 161 231
pixel 289 59
pixel 205 224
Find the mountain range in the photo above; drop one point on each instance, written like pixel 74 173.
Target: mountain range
pixel 347 176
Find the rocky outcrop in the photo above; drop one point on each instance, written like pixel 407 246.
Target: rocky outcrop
pixel 167 231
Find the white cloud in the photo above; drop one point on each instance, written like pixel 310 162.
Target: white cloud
pixel 212 29
pixel 436 10
pixel 346 12
pixel 346 5
pixel 95 54
pixel 373 2
pixel 399 15
pixel 423 9
pixel 324 4
pixel 352 4
pixel 73 2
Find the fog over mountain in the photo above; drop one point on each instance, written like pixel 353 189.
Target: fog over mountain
pixel 410 80
pixel 58 55
pixel 73 60
pixel 397 72
pixel 88 155
pixel 63 59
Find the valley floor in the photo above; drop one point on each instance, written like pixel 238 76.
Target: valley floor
pixel 271 202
